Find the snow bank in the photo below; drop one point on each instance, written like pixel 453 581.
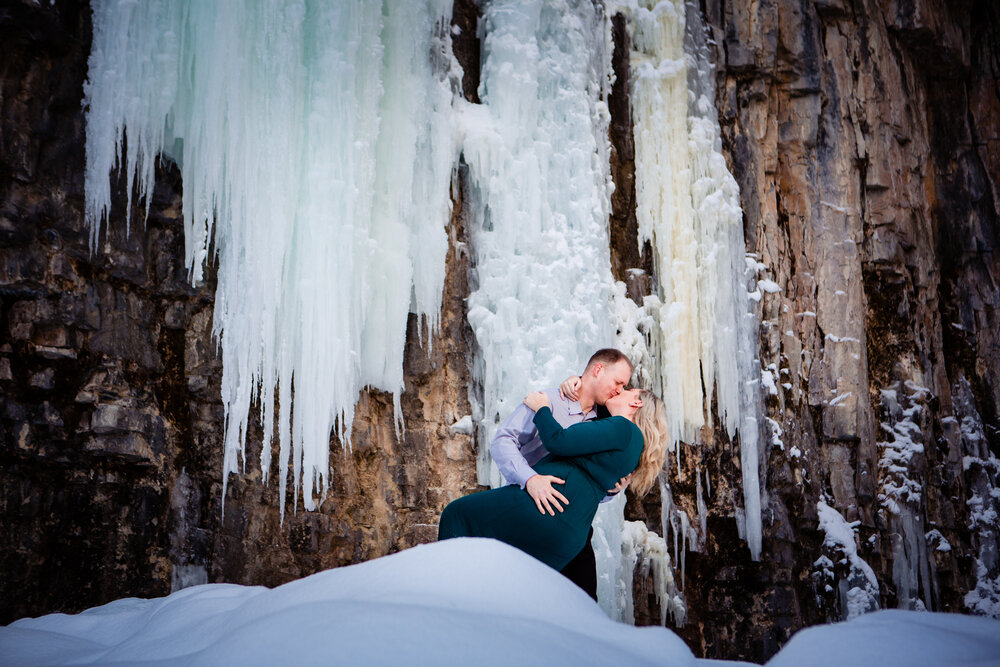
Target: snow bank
pixel 896 637
pixel 466 601
pixel 436 604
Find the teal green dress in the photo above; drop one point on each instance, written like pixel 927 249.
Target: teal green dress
pixel 591 456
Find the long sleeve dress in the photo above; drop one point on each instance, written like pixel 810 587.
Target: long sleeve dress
pixel 591 457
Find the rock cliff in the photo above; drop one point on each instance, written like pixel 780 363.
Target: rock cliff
pixel 864 139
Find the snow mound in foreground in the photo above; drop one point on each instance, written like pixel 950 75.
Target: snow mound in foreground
pixel 460 602
pixel 896 638
pixel 465 601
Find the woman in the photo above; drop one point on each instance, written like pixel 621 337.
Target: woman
pixel 591 456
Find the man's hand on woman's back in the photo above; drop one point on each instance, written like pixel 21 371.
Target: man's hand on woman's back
pixel 539 487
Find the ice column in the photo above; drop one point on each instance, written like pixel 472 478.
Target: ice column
pixel 536 151
pixel 316 146
pixel 537 156
pixel 981 468
pixel 688 208
pixel 901 490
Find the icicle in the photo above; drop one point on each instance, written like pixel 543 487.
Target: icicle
pixel 688 209
pixel 537 154
pixel 702 511
pixel 645 551
pixel 614 580
pixel 666 507
pixel 685 526
pixel 316 147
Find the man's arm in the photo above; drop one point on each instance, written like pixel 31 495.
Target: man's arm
pixel 506 446
pixel 505 449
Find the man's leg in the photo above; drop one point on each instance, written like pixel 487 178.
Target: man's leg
pixel 582 570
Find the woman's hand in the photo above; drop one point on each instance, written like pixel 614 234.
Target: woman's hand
pixel 621 485
pixel 570 388
pixel 537 400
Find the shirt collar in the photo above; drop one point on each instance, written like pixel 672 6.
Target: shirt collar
pixel 575 409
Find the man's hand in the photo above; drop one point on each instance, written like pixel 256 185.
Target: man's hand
pixel 539 487
pixel 570 388
pixel 620 486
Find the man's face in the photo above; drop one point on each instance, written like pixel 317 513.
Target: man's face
pixel 611 380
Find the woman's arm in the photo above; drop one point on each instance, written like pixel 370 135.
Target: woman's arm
pixel 584 438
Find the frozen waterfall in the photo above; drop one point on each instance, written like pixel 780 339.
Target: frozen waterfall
pixel 537 155
pixel 316 145
pixel 317 142
pixel 688 208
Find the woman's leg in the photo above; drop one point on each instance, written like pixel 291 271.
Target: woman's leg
pixel 453 521
pixel 508 514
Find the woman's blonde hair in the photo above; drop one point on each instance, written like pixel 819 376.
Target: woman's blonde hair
pixel 651 419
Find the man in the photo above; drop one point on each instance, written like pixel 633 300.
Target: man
pixel 517 446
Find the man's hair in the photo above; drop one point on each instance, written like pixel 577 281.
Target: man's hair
pixel 608 356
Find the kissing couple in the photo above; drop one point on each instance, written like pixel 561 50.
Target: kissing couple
pixel 591 437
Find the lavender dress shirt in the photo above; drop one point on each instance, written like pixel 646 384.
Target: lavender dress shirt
pixel 516 446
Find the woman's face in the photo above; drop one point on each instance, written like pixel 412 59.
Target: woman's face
pixel 625 403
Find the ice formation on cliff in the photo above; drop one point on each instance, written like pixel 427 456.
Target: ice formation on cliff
pixel 858 591
pixel 901 495
pixel 316 145
pixel 688 208
pixel 537 156
pixel 982 469
pixel 317 142
pixel 536 150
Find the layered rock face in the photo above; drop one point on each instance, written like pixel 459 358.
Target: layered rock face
pixel 864 137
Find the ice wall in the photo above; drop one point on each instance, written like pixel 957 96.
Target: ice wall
pixel 316 145
pixel 537 156
pixel 688 208
pixel 536 152
pixel 316 142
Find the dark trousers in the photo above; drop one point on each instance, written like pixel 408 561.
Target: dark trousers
pixel 582 570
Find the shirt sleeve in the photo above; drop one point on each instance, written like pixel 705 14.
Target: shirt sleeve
pixel 579 439
pixel 505 449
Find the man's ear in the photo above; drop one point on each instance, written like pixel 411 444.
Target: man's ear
pixel 597 368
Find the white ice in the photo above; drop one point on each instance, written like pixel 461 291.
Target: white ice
pixel 316 145
pixel 688 209
pixel 536 150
